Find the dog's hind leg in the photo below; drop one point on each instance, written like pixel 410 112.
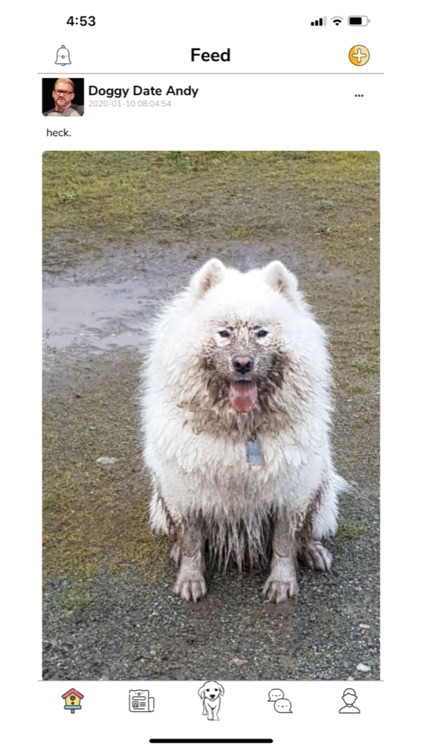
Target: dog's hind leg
pixel 188 553
pixel 159 516
pixel 320 523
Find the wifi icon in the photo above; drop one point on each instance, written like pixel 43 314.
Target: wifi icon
pixel 337 20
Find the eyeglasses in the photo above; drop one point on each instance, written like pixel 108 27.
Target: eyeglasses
pixel 65 93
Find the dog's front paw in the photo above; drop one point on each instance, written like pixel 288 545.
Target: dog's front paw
pixel 279 590
pixel 316 556
pixel 282 582
pixel 191 589
pixel 190 582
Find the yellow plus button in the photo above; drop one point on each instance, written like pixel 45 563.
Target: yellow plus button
pixel 359 55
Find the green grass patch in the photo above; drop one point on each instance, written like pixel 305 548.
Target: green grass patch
pixel 94 198
pixel 367 367
pixel 75 601
pixel 351 531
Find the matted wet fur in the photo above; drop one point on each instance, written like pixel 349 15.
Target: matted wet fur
pixel 236 412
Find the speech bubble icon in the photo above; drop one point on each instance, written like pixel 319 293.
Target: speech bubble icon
pixel 283 706
pixel 275 694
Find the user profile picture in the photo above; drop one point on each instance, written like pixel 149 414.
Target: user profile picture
pixel 63 97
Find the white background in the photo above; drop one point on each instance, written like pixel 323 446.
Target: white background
pixel 230 112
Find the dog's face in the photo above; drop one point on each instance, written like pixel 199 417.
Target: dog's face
pixel 211 690
pixel 244 354
pixel 242 361
pixel 247 332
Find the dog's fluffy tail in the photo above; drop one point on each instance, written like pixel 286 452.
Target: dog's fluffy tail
pixel 324 522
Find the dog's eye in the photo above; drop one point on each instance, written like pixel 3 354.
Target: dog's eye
pixel 224 334
pixel 262 333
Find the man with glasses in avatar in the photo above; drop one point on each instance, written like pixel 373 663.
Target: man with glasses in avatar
pixel 63 95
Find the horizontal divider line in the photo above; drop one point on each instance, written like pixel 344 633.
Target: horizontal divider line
pixel 218 740
pixel 215 73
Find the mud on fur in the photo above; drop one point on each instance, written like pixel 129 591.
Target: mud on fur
pixel 236 410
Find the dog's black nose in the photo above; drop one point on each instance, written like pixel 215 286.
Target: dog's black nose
pixel 243 365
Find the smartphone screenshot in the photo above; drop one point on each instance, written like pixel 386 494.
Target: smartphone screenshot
pixel 210 205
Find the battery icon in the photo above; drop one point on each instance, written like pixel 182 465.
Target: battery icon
pixel 358 20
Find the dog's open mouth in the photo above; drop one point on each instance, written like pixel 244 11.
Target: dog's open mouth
pixel 243 395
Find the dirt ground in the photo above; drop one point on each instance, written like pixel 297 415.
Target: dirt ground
pixel 122 232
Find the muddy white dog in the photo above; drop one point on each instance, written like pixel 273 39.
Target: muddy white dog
pixel 236 419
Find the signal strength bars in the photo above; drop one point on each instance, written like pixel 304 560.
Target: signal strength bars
pixel 320 22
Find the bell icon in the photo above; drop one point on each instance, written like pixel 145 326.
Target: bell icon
pixel 63 56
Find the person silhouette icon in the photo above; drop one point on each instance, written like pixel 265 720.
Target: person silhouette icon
pixel 349 697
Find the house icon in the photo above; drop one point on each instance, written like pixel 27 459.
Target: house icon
pixel 72 700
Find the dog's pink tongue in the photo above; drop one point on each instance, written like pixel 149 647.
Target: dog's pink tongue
pixel 243 396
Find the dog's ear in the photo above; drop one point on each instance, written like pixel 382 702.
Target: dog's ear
pixel 211 274
pixel 282 280
pixel 220 688
pixel 201 691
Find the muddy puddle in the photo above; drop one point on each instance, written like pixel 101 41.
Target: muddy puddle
pixel 97 307
pixel 96 318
